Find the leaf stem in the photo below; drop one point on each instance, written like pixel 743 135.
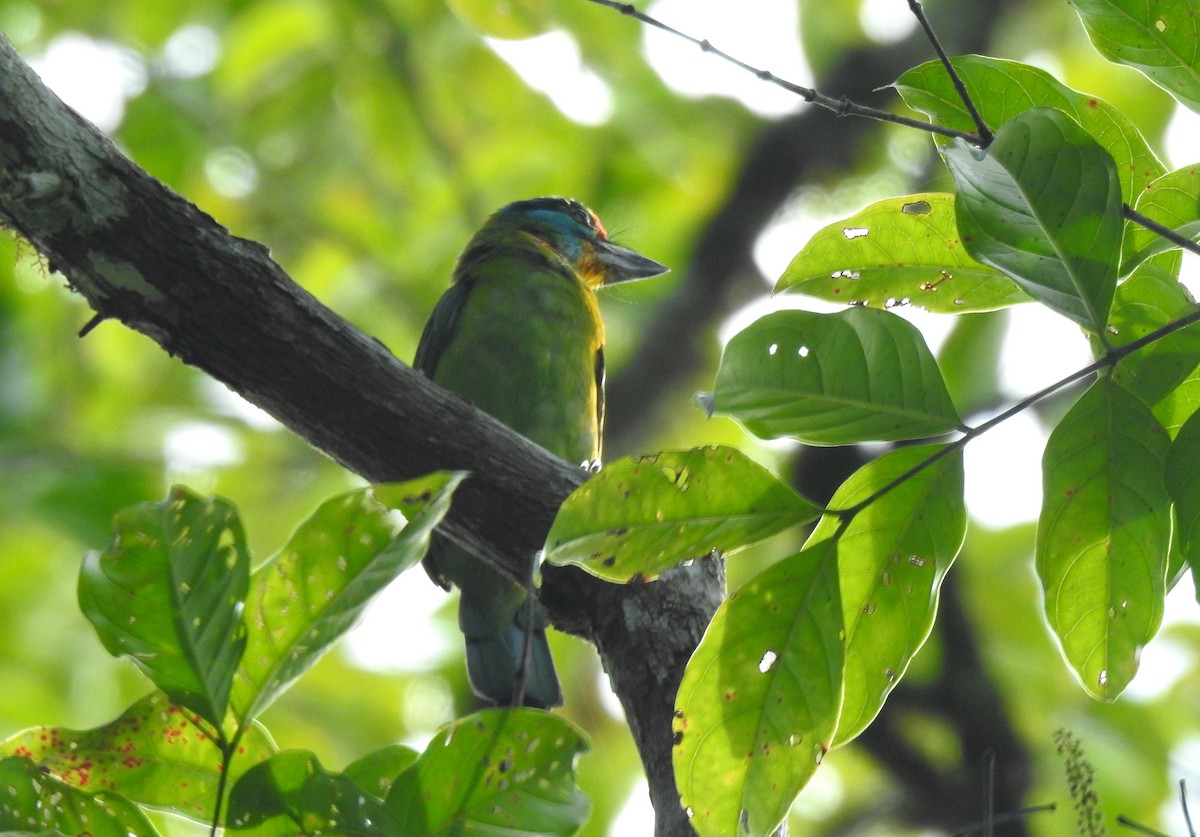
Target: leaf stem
pixel 985 133
pixel 1112 357
pixel 1158 229
pixel 228 748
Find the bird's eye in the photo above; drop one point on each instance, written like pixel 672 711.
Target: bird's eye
pixel 586 217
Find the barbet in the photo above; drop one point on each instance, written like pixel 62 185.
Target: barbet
pixel 518 334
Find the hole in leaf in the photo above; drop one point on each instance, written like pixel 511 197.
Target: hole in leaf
pixel 768 661
pixel 854 232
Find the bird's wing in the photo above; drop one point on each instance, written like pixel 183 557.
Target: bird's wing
pixel 439 330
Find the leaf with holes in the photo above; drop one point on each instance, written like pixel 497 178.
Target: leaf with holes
pixel 1161 39
pixel 899 251
pixel 500 771
pixel 35 803
pixel 316 587
pixel 1002 90
pixel 292 793
pixel 155 753
pixel 892 558
pixel 1103 534
pixel 644 514
pixel 1043 204
pixel 168 593
pixel 759 701
pixel 830 379
pixel 1172 200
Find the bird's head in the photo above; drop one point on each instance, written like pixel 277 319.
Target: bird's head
pixel 573 233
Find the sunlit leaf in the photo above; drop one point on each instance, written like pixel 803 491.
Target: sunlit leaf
pixel 376 771
pixel 155 753
pixel 168 594
pixel 34 803
pixel 892 558
pixel 1146 301
pixel 291 793
pixel 316 587
pixel 1043 204
pixel 1183 483
pixel 899 251
pixel 1003 90
pixel 1162 39
pixel 498 772
pixel 758 704
pixel 857 375
pixel 1103 535
pixel 1172 200
pixel 644 514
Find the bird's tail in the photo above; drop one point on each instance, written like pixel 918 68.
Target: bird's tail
pixel 495 660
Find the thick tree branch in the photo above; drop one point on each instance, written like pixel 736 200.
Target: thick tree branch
pixel 144 256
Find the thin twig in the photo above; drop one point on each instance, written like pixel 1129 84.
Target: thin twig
pixel 841 107
pixel 1020 813
pixel 1111 358
pixel 989 790
pixel 1187 817
pixel 527 623
pixel 985 133
pixel 1138 827
pixel 1159 230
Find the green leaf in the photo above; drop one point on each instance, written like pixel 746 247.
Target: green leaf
pixel 291 793
pixel 1103 535
pixel 1182 477
pixel 892 558
pixel 168 593
pixel 376 771
pixel 498 772
pixel 36 803
pixel 1162 39
pixel 512 19
pixel 316 587
pixel 1146 301
pixel 829 379
pixel 644 514
pixel 1172 200
pixel 155 753
pixel 1003 90
pixel 758 704
pixel 1043 204
pixel 895 252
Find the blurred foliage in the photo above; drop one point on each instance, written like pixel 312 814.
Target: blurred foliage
pixel 363 141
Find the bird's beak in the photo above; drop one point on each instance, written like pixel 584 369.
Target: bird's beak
pixel 622 264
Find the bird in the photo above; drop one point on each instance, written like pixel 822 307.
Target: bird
pixel 519 335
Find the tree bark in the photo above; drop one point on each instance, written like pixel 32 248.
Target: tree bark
pixel 141 254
